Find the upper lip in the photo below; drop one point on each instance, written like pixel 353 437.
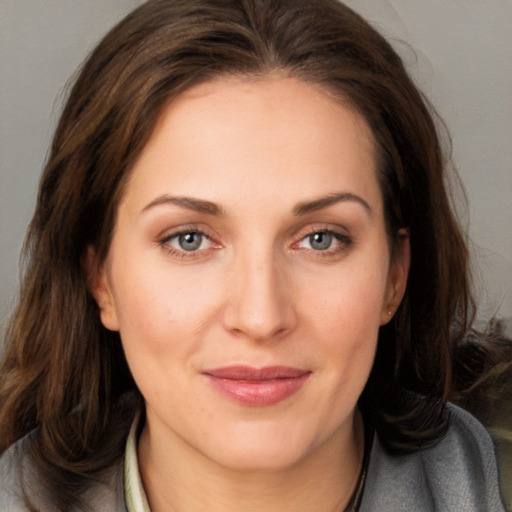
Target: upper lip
pixel 249 373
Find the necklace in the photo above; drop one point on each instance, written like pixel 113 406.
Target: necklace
pixel 355 500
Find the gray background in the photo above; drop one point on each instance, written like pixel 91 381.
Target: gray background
pixel 459 52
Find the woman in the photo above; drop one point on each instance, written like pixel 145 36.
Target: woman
pixel 244 279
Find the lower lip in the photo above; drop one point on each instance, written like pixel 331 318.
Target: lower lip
pixel 259 393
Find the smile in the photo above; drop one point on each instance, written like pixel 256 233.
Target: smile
pixel 258 387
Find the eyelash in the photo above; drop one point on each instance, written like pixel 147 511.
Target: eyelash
pixel 165 242
pixel 343 242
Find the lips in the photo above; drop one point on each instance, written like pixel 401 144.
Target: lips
pixel 257 387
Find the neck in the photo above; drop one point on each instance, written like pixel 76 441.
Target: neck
pixel 180 480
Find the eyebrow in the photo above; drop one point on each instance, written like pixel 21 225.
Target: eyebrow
pixel 307 207
pixel 303 208
pixel 190 203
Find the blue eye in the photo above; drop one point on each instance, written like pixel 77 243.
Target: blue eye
pixel 190 241
pixel 326 241
pixel 320 241
pixel 186 242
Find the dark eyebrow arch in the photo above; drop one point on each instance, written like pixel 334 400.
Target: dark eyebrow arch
pixel 190 203
pixel 323 202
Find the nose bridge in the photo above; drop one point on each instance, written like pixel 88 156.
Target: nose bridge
pixel 259 305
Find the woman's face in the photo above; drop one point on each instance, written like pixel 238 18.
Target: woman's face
pixel 249 272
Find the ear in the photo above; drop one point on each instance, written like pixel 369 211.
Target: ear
pixel 397 277
pixel 99 286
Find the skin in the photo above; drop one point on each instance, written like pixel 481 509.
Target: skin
pixel 265 158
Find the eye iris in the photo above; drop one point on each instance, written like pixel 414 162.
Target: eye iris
pixel 320 241
pixel 190 241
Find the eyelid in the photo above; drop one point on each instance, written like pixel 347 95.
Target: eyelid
pixel 164 239
pixel 321 228
pixel 340 234
pixel 176 239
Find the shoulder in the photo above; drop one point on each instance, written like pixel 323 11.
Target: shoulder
pixel 13 468
pixel 458 473
pixel 19 476
pixel 465 458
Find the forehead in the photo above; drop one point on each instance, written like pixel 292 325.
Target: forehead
pixel 236 134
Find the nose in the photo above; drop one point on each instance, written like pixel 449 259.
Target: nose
pixel 260 305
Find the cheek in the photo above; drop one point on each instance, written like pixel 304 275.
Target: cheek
pixel 158 328
pixel 343 317
pixel 347 328
pixel 158 295
pixel 342 322
pixel 347 302
pixel 162 312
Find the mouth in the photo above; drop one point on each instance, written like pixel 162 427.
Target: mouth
pixel 257 387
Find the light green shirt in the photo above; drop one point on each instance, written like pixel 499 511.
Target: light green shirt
pixel 135 497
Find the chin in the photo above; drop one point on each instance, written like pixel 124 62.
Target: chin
pixel 261 450
pixel 260 459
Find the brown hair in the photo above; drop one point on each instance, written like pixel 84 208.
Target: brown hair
pixel 65 374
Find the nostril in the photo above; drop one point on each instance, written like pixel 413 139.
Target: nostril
pixel 259 322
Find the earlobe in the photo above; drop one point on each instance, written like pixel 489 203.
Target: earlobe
pixel 98 283
pixel 397 277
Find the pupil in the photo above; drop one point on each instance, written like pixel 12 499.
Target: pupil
pixel 320 241
pixel 190 241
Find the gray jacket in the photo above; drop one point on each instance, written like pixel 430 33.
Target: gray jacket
pixel 457 475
